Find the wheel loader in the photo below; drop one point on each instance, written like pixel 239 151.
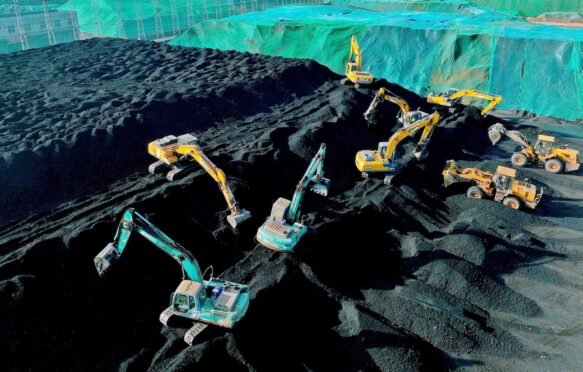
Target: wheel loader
pixel 502 186
pixel 544 153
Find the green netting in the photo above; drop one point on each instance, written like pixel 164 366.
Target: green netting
pixel 536 68
pixel 526 8
pixel 156 19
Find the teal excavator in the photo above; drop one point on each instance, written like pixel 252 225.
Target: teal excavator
pixel 283 229
pixel 214 301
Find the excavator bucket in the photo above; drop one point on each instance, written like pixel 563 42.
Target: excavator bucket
pixel 495 132
pixel 235 219
pixel 105 258
pixel 320 187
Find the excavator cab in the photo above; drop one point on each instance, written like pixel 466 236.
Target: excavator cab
pixel 187 296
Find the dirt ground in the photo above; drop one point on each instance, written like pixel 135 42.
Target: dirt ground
pixel 405 277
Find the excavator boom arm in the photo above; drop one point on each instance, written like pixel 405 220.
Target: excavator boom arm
pixel 493 100
pixel 355 55
pixel 216 173
pixel 384 94
pixel 428 123
pixel 314 173
pixel 133 221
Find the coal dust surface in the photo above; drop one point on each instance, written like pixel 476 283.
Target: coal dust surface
pixel 404 277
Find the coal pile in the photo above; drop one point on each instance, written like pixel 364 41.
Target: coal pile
pixel 407 277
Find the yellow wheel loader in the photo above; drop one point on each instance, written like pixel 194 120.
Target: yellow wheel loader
pixel 454 98
pixel 544 153
pixel 174 152
pixel 502 186
pixel 354 73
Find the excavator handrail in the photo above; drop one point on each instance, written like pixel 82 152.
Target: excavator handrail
pixel 131 221
pixel 315 171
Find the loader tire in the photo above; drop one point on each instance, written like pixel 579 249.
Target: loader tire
pixel 518 159
pixel 554 166
pixel 511 202
pixel 475 192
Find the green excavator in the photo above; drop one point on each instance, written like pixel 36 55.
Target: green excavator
pixel 283 229
pixel 214 301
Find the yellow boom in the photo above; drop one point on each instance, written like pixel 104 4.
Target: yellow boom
pixel 384 94
pixel 172 150
pixel 454 97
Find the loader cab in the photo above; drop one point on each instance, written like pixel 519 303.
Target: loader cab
pixel 544 144
pixel 503 177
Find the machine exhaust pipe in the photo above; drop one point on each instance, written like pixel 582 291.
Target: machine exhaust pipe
pixel 105 258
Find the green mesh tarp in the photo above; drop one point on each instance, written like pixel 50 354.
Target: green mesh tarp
pixel 534 67
pixel 525 8
pixel 157 19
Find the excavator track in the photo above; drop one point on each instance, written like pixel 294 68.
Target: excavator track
pixel 194 331
pixel 165 316
pixel 172 175
pixel 155 166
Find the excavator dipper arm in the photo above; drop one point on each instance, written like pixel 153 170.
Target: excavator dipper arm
pixel 456 98
pixel 428 124
pixel 315 176
pixel 131 222
pixel 237 215
pixel 384 94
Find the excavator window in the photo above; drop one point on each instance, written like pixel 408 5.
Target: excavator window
pixel 383 151
pixel 181 302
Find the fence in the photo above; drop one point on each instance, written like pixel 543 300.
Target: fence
pixel 28 24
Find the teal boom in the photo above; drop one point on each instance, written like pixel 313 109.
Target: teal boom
pixel 133 221
pixel 282 230
pixel 212 301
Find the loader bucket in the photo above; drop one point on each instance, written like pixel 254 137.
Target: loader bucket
pixel 234 219
pixel 448 179
pixel 495 133
pixel 105 258
pixel 448 176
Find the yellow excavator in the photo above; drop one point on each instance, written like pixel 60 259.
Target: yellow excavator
pixel 543 153
pixel 384 159
pixel 405 118
pixel 354 73
pixel 175 152
pixel 454 97
pixel 502 186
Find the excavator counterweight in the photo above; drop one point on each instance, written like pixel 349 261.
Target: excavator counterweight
pixel 283 229
pixel 175 152
pixel 214 301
